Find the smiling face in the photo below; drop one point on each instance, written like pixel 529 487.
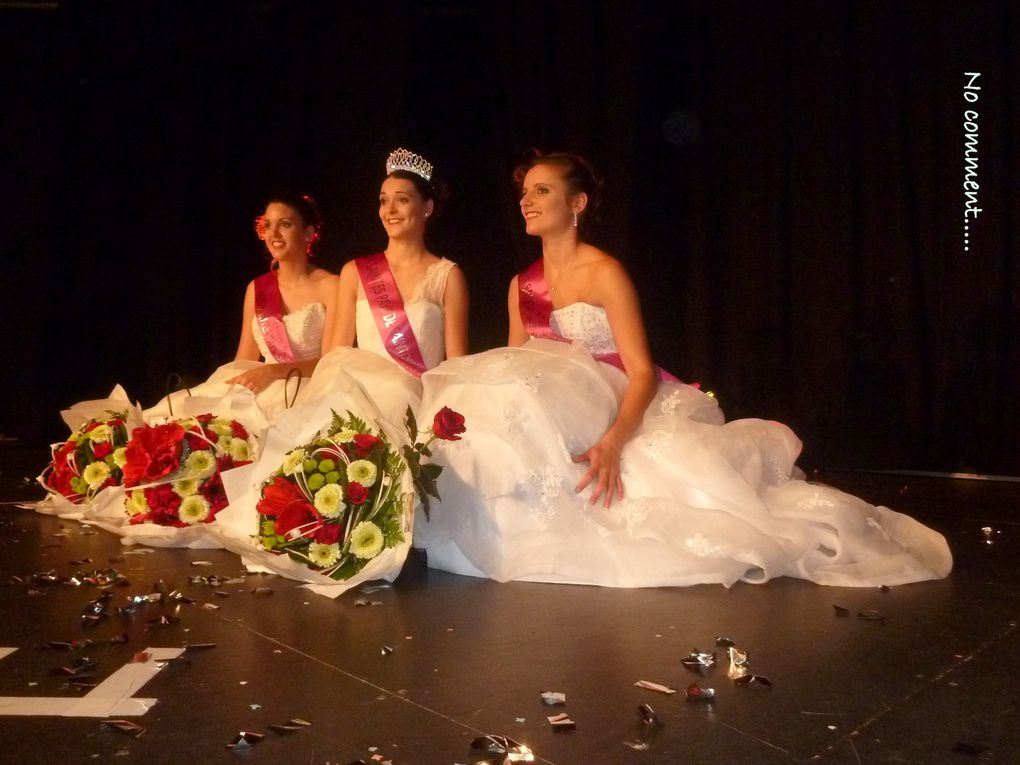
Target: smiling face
pixel 284 232
pixel 402 209
pixel 547 204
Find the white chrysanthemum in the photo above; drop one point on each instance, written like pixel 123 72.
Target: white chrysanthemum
pixel 328 501
pixel 189 422
pixel 221 427
pixel 223 444
pixel 362 471
pixel 96 474
pixel 201 463
pixel 185 487
pixel 323 556
pixel 100 434
pixel 293 461
pixel 120 456
pixel 366 540
pixel 135 503
pixel 239 449
pixel 344 436
pixel 194 509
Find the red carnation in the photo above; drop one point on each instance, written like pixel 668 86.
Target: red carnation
pixel 163 504
pixel 328 534
pixel 448 424
pixel 356 493
pixel 365 443
pixel 153 452
pixel 238 430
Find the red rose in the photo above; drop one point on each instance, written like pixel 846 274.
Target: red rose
pixel 356 493
pixel 238 430
pixel 448 424
pixel 328 534
pixel 102 451
pixel 277 495
pixel 365 443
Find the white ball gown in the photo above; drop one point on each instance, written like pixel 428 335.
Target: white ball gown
pixel 705 501
pixel 366 381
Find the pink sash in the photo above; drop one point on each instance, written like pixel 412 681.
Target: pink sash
pixel 388 310
pixel 536 313
pixel 269 315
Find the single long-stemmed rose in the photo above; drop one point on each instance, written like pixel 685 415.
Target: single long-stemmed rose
pixel 447 425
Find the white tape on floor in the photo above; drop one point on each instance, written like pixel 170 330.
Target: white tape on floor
pixel 114 697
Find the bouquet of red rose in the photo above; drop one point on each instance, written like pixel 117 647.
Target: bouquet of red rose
pixel 90 460
pixel 338 503
pixel 172 471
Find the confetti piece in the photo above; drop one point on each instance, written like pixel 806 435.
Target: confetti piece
pixel 654 687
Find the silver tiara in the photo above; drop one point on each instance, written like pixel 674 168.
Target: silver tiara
pixel 402 159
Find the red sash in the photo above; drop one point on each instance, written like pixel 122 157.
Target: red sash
pixel 536 310
pixel 388 310
pixel 269 315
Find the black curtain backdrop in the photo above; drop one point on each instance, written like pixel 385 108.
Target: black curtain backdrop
pixel 784 181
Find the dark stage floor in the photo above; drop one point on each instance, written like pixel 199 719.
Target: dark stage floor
pixel 934 681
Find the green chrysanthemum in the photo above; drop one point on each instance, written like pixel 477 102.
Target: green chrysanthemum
pixel 344 436
pixel 185 487
pixel 239 450
pixel 332 477
pixel 329 502
pixel 100 434
pixel 292 462
pixel 323 556
pixel 366 540
pixel 315 481
pixel 326 465
pixel 96 474
pixel 194 509
pixel 362 471
pixel 201 463
pixel 120 456
pixel 135 502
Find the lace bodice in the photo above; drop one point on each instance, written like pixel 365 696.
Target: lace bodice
pixel 424 310
pixel 304 326
pixel 585 323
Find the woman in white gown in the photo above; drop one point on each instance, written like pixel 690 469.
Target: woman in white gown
pixel 405 308
pixel 582 464
pixel 287 312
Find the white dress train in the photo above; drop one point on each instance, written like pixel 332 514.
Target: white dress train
pixel 705 501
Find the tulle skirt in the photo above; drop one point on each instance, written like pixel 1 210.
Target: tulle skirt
pixel 706 501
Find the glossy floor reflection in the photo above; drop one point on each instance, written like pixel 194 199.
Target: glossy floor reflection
pixel 931 682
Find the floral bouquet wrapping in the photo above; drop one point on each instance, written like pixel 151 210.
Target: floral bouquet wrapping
pixel 86 471
pixel 338 502
pixel 172 471
pixel 339 509
pixel 90 460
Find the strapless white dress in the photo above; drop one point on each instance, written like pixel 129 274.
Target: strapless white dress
pixel 705 500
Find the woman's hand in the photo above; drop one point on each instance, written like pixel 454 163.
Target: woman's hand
pixel 258 379
pixel 604 469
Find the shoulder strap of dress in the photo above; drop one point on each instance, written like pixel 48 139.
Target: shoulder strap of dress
pixel 433 286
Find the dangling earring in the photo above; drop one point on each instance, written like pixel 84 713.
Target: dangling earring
pixel 575 220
